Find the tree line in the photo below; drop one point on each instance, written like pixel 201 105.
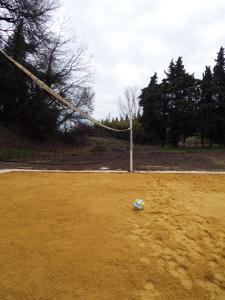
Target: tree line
pixel 26 34
pixel 168 112
pixel 180 106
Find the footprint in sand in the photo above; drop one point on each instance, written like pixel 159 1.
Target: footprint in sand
pixel 207 238
pixel 140 232
pixel 180 272
pixel 155 248
pixel 149 292
pixel 214 278
pixel 213 263
pixel 137 233
pixel 144 260
pixel 189 240
pixel 221 235
pixel 161 265
pixel 216 293
pixel 142 237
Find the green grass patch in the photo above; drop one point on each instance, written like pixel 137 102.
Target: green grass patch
pixel 192 149
pixel 16 153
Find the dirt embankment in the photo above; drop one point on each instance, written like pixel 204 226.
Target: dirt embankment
pixel 17 152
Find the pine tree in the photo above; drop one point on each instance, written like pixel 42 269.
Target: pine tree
pixel 13 84
pixel 23 105
pixel 181 91
pixel 207 109
pixel 219 93
pixel 28 38
pixel 154 117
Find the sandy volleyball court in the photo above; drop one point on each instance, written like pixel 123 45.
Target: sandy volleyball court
pixel 76 236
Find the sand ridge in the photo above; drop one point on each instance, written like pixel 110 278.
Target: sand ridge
pixel 76 236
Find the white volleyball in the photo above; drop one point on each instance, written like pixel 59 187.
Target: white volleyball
pixel 139 204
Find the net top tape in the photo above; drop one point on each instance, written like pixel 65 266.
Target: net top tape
pixel 61 99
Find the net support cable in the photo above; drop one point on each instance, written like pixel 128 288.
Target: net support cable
pixel 59 98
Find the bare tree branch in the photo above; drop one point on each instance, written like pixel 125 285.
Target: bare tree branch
pixel 128 104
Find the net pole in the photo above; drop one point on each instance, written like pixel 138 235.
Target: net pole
pixel 131 141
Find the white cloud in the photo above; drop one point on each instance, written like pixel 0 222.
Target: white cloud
pixel 127 73
pixel 132 39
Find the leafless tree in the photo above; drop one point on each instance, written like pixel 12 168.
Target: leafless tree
pixel 68 72
pixel 34 14
pixel 129 102
pixel 59 59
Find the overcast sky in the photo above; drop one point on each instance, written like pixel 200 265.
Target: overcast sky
pixel 132 39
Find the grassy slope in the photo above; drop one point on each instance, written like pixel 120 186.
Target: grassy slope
pixel 13 145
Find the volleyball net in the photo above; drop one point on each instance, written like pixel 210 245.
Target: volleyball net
pixel 58 97
pixel 68 157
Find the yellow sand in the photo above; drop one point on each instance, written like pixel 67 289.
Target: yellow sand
pixel 76 236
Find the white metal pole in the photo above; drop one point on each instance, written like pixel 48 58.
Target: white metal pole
pixel 131 141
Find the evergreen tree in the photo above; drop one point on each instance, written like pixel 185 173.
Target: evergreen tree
pixel 154 117
pixel 23 104
pixel 181 91
pixel 207 109
pixel 219 93
pixel 29 40
pixel 13 84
